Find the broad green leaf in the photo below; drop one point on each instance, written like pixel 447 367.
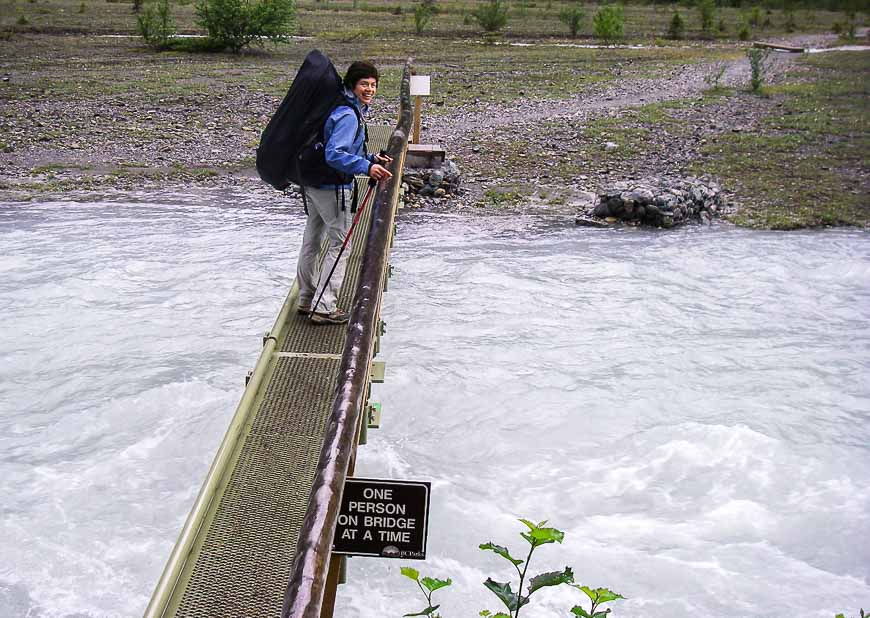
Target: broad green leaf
pixel 433 584
pixel 507 596
pixel 600 595
pixel 839 616
pixel 485 613
pixel 532 526
pixel 412 573
pixel 488 614
pixel 601 614
pixel 539 535
pixel 426 612
pixel 542 536
pixel 578 610
pixel 553 578
pixel 501 551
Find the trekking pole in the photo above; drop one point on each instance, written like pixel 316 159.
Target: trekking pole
pixel 372 184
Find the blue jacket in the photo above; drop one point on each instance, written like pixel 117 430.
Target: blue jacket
pixel 345 139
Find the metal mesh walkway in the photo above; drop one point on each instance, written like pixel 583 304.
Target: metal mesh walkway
pixel 240 560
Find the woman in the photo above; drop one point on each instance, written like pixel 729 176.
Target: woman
pixel 328 205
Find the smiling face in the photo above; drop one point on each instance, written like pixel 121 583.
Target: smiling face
pixel 365 89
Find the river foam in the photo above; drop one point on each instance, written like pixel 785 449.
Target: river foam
pixel 691 407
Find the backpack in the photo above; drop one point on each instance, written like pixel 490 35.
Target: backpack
pixel 292 146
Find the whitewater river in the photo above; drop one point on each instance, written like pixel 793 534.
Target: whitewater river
pixel 691 407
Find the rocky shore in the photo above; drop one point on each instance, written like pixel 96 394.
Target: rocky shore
pixel 520 156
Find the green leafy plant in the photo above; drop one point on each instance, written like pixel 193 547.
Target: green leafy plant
pixel 22 20
pixel 598 597
pixel 235 24
pixel 744 32
pixel 755 17
pixel 492 16
pixel 713 78
pixel 677 27
pixel 156 25
pixel 422 15
pixel 609 23
pixel 706 13
pixel 758 66
pixel 572 17
pixel 428 585
pixel 863 615
pixel 536 536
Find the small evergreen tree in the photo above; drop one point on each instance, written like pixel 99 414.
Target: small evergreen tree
pixel 755 17
pixel 707 13
pixel 744 32
pixel 572 17
pixel 677 27
pixel 422 15
pixel 491 16
pixel 609 23
pixel 758 65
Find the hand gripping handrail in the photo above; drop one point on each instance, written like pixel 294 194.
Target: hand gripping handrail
pixel 305 591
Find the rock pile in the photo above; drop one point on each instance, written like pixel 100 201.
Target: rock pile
pixel 437 182
pixel 660 202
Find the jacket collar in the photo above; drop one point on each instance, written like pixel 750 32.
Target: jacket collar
pixel 351 97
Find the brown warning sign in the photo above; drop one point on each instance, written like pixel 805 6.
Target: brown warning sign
pixel 383 518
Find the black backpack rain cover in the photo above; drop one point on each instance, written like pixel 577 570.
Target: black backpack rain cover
pixel 291 148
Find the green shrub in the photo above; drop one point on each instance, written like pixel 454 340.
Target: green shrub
pixel 82 7
pixel 755 17
pixel 422 15
pixel 758 65
pixel 22 20
pixel 156 25
pixel 714 77
pixel 677 27
pixel 536 536
pixel 790 22
pixel 235 24
pixel 706 13
pixel 744 32
pixel 491 16
pixel 397 10
pixel 572 17
pixel 609 23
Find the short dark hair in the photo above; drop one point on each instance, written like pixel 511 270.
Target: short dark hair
pixel 358 70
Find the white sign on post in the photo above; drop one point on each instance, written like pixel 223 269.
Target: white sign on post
pixel 419 85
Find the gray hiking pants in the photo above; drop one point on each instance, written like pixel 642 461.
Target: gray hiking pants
pixel 326 220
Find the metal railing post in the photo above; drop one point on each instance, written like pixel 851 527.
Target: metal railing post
pixel 306 589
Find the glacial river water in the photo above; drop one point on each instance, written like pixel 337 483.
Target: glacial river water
pixel 691 407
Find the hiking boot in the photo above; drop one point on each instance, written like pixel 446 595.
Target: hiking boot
pixel 333 317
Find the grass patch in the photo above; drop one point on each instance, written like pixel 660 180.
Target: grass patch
pixel 805 167
pixel 501 197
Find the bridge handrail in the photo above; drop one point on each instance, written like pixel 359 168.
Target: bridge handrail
pixel 183 546
pixel 305 590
